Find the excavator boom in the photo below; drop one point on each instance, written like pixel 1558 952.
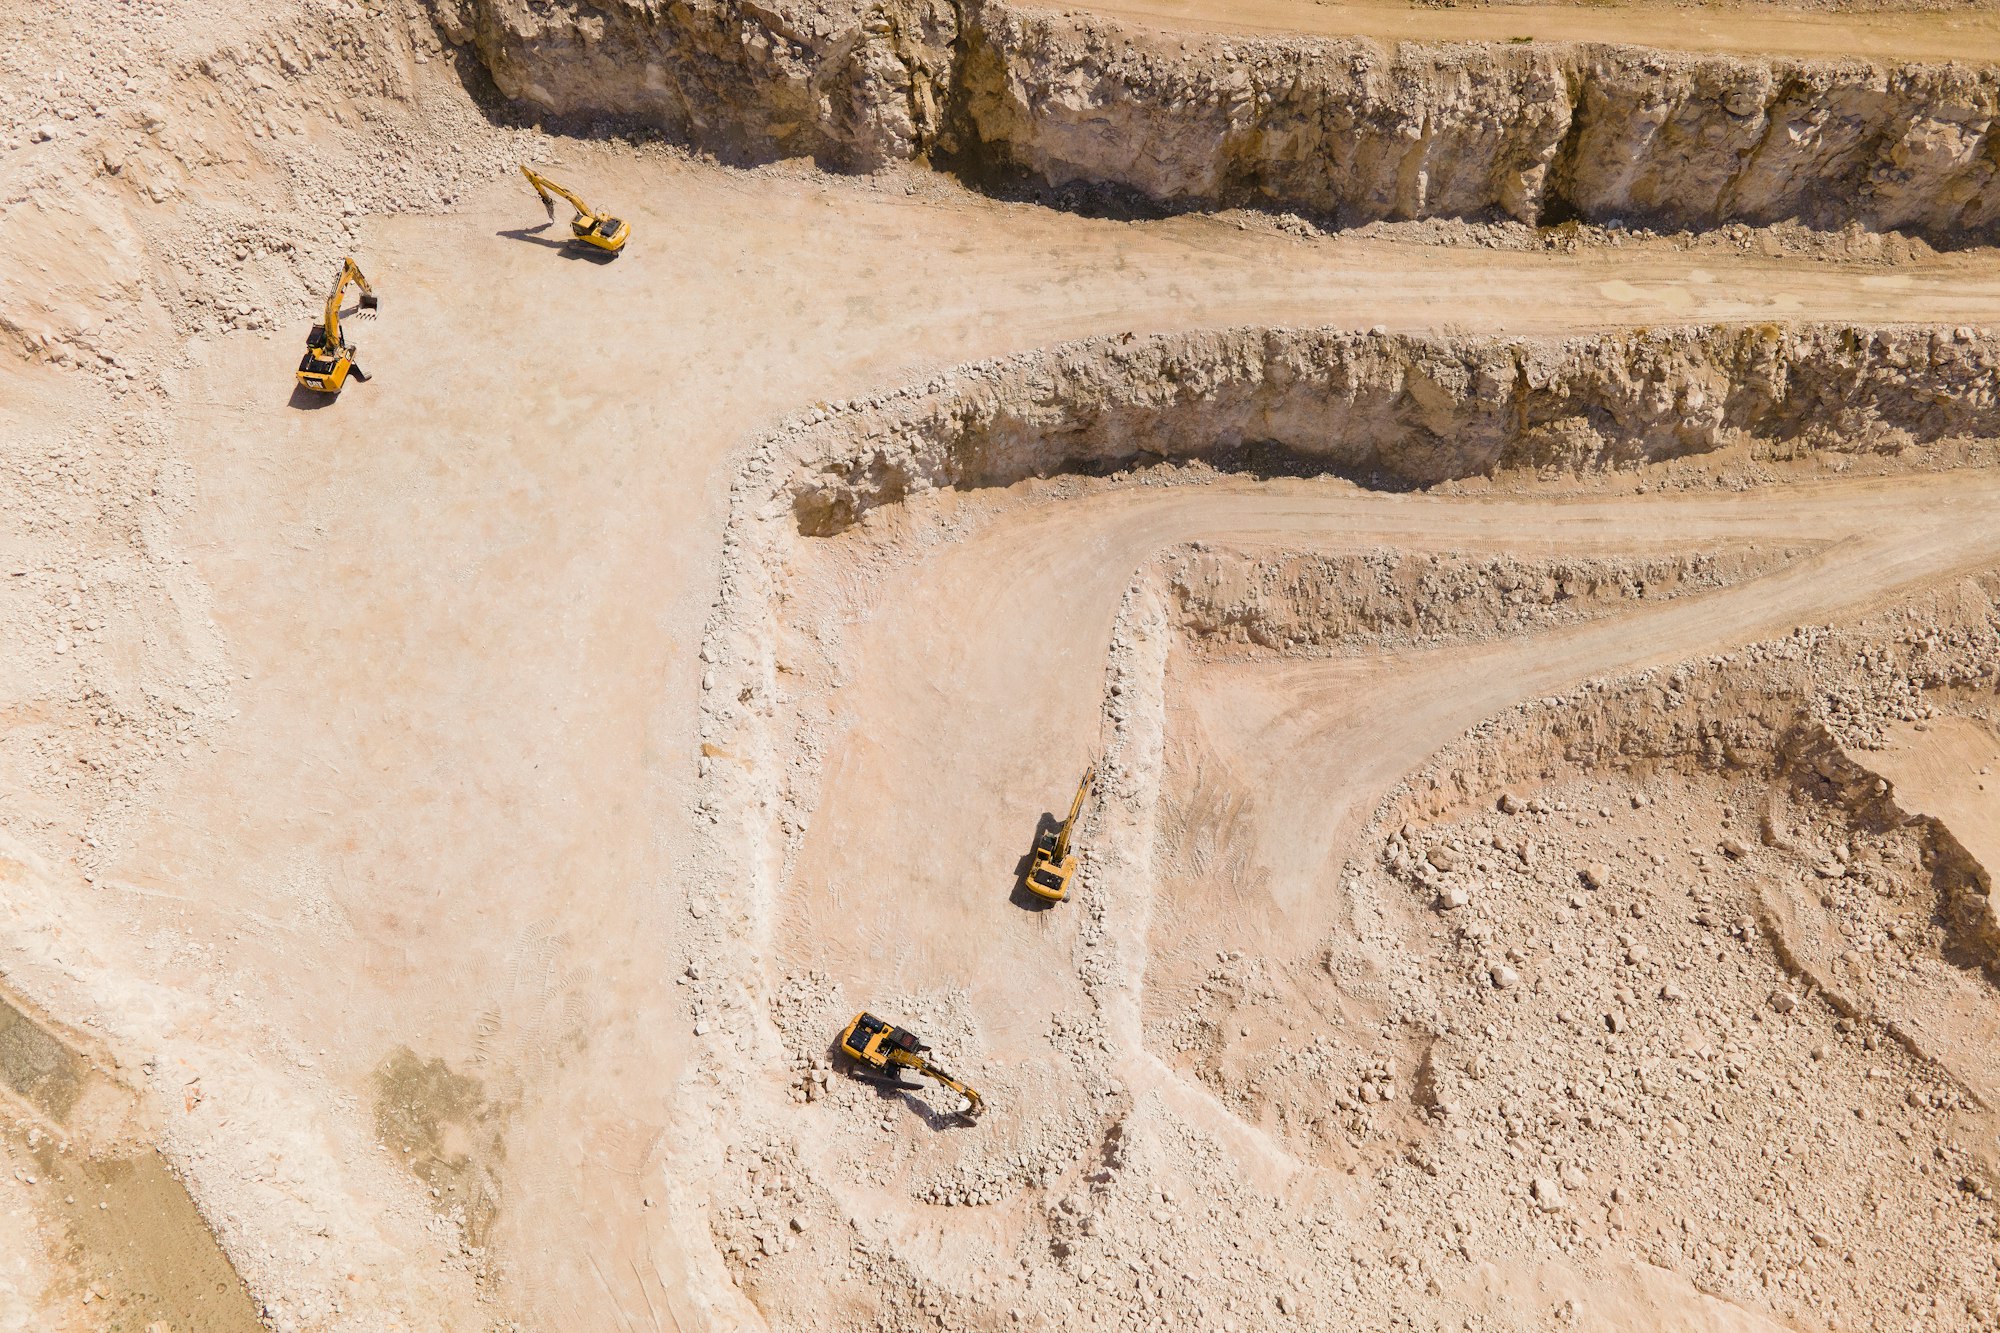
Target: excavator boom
pixel 546 187
pixel 1075 808
pixel 974 1103
pixel 349 272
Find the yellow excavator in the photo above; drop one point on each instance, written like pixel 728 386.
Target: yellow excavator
pixel 880 1045
pixel 329 357
pixel 589 226
pixel 1053 864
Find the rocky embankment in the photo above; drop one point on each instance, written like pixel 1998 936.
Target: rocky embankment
pixel 1398 411
pixel 1348 129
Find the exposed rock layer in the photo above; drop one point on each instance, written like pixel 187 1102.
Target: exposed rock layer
pixel 1348 129
pixel 1404 411
pixel 856 88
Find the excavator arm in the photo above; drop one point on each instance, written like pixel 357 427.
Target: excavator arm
pixel 349 272
pixel 547 188
pixel 1075 808
pixel 974 1103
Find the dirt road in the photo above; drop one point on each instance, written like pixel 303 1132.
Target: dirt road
pixel 949 748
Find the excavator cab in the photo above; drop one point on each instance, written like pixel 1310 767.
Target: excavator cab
pixel 604 232
pixel 1052 864
pixel 324 369
pixel 329 357
pixel 870 1040
pixel 880 1046
pixel 598 230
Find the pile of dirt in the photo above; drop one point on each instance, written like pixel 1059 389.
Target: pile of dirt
pixel 1589 970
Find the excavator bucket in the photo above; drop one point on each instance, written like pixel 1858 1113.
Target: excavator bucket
pixel 368 301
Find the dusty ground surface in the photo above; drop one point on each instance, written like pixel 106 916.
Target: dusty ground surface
pixel 446 826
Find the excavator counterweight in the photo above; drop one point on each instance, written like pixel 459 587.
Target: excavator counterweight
pixel 1053 863
pixel 329 357
pixel 879 1045
pixel 600 230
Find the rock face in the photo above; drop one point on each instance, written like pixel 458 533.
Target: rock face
pixel 1404 411
pixel 1348 129
pixel 851 86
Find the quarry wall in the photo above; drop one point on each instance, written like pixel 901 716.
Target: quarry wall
pixel 1346 129
pixel 1394 411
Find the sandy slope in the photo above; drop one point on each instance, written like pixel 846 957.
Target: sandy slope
pixel 1946 769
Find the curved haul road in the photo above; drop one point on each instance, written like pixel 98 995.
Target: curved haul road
pixel 948 735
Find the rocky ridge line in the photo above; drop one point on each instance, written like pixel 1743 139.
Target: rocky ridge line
pixel 1233 602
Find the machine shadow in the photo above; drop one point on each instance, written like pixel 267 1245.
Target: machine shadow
pixel 305 400
pixel 532 235
pixel 567 249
